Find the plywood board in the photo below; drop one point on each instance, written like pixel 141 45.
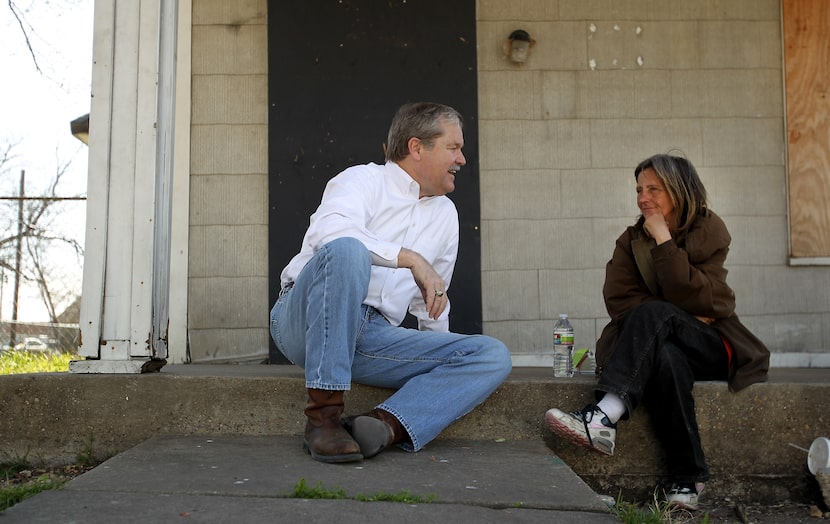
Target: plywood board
pixel 807 63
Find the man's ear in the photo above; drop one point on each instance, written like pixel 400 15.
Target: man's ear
pixel 414 145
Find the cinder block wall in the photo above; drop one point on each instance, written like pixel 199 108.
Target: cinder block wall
pixel 228 269
pixel 606 85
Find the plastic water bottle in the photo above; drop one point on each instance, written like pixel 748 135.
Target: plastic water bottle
pixel 563 347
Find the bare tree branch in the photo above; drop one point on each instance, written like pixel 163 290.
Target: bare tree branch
pixel 42 239
pixel 6 154
pixel 14 9
pixel 41 279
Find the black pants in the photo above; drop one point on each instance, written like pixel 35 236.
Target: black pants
pixel 660 352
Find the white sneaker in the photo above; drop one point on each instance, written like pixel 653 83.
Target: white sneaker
pixel 685 495
pixel 589 428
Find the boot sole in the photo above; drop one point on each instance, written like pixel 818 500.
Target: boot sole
pixel 690 506
pixel 331 459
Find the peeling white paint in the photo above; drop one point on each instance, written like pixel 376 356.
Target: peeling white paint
pixel 592 64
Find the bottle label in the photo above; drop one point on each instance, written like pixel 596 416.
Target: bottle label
pixel 565 339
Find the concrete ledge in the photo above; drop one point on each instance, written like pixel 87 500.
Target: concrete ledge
pixel 747 436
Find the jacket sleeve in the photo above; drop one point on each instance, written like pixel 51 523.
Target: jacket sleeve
pixel 623 288
pixel 694 277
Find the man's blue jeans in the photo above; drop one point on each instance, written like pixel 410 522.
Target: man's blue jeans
pixel 322 325
pixel 660 352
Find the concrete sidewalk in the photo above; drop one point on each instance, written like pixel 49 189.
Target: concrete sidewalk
pixel 252 478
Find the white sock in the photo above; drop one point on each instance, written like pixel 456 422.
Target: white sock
pixel 613 407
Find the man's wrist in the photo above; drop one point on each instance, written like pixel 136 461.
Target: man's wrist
pixel 407 258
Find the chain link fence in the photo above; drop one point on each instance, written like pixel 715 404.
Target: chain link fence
pixel 41 270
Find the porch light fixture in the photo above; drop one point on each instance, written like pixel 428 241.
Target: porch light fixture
pixel 80 128
pixel 519 43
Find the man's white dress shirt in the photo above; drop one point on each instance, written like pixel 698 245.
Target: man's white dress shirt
pixel 379 205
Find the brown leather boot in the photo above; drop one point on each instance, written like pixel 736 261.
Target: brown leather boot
pixel 325 438
pixel 375 431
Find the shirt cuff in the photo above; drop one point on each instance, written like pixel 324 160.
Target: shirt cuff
pixel 387 258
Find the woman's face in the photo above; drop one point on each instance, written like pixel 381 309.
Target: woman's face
pixel 652 197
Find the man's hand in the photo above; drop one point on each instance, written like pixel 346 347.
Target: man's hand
pixel 432 286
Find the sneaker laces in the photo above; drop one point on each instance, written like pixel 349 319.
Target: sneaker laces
pixel 586 415
pixel 686 488
pixel 682 489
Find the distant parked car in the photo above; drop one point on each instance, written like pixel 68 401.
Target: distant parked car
pixel 32 344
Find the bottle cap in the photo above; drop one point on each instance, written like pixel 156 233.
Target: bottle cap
pixel 563 315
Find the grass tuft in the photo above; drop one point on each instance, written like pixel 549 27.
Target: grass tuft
pixel 18 482
pixel 12 464
pixel 303 491
pixel 12 494
pixel 403 497
pixel 656 511
pixel 20 478
pixel 17 362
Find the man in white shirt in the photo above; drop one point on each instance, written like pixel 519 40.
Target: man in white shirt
pixel 383 242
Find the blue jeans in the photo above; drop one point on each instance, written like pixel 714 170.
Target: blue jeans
pixel 322 325
pixel 660 352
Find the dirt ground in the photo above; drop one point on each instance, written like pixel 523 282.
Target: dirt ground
pixel 725 512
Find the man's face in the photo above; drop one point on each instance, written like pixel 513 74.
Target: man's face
pixel 438 165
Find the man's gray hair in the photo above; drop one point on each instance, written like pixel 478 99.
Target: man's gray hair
pixel 422 120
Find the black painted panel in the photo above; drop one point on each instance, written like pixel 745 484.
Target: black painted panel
pixel 338 71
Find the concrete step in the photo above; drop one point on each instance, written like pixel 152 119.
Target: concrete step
pixel 749 437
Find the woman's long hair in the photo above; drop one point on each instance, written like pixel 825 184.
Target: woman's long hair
pixel 683 184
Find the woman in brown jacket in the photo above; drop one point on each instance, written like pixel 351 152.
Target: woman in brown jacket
pixel 672 322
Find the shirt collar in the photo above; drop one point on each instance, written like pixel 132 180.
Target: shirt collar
pixel 402 180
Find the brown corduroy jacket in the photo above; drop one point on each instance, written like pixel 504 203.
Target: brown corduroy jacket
pixel 688 272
